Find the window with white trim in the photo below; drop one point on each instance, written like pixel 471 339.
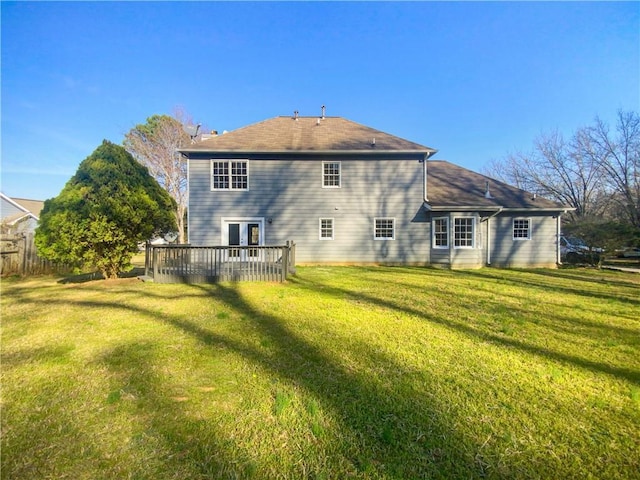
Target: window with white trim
pixel 463 232
pixel 331 174
pixel 522 229
pixel 229 174
pixel 326 229
pixel 384 229
pixel 441 232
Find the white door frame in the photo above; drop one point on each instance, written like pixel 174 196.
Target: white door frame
pixel 244 234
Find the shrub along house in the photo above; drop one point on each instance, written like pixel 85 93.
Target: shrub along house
pixel 347 193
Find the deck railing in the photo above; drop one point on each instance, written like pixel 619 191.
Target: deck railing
pixel 189 264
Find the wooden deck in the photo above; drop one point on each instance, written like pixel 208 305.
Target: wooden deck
pixel 188 264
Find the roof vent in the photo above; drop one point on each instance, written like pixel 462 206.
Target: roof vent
pixel 192 131
pixel 323 110
pixel 373 142
pixel 295 115
pixel 487 193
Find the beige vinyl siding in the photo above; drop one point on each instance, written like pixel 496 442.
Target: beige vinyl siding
pixel 290 192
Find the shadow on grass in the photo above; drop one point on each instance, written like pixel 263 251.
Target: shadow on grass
pixel 575 275
pixel 387 434
pixel 92 276
pixel 393 435
pixel 466 328
pixel 171 444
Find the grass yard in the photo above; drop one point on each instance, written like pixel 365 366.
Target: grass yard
pixel 342 372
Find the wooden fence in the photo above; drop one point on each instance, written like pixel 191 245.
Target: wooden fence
pixel 19 256
pixel 188 264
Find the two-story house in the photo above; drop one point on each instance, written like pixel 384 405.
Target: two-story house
pixel 347 193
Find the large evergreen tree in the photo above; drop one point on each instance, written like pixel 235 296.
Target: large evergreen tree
pixel 110 205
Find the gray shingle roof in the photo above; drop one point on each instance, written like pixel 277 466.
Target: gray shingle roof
pixel 306 134
pixel 450 186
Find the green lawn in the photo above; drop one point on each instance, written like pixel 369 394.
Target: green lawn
pixel 342 372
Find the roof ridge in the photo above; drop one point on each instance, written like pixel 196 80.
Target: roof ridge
pixel 295 133
pixel 292 117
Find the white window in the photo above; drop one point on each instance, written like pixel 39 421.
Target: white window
pixel 330 174
pixel 384 229
pixel 326 229
pixel 441 232
pixel 522 229
pixel 463 232
pixel 229 174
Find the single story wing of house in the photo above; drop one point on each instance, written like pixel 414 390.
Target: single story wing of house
pixel 19 215
pixel 346 193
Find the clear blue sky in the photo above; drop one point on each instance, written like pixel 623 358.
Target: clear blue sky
pixel 474 80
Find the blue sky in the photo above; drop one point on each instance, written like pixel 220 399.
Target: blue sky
pixel 474 80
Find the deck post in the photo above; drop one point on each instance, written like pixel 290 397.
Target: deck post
pixel 285 262
pixel 155 263
pixel 147 258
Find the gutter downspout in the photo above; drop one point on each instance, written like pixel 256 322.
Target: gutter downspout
pixel 187 239
pixel 558 230
pixel 424 178
pixel 489 233
pixel 425 192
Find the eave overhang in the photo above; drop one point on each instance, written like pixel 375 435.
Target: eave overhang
pixel 427 153
pixel 489 208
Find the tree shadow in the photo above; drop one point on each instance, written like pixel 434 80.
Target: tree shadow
pixel 93 276
pixel 166 425
pixel 401 422
pixel 573 289
pixel 401 435
pixel 463 327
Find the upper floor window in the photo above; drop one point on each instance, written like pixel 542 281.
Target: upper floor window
pixel 463 232
pixel 229 174
pixel 521 229
pixel 331 174
pixel 441 232
pixel 326 229
pixel 384 229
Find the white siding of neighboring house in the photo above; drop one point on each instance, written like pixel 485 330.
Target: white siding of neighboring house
pixel 16 220
pixel 8 209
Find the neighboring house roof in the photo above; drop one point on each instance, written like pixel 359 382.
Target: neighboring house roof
pixel 33 206
pixel 24 207
pixel 450 186
pixel 307 134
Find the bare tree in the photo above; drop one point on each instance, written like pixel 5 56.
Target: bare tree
pixel 557 170
pixel 618 157
pixel 155 144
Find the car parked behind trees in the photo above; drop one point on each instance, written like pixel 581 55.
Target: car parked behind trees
pixel 576 250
